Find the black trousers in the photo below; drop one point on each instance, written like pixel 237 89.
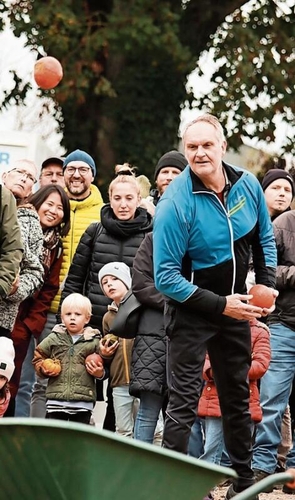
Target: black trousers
pixel 81 416
pixel 228 342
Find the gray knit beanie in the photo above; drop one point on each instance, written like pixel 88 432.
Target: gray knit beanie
pixel 117 269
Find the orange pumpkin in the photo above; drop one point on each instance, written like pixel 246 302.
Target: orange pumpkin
pixel 94 357
pixel 262 296
pixel 52 365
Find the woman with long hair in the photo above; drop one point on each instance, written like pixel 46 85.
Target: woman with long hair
pixel 53 208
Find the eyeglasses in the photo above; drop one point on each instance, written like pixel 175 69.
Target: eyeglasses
pixel 23 173
pixel 51 174
pixel 82 170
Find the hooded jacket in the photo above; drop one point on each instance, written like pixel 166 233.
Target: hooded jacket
pixel 73 383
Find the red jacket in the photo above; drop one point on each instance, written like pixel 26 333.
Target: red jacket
pixel 261 355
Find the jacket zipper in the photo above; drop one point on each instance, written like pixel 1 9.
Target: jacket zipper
pixel 125 357
pixel 231 236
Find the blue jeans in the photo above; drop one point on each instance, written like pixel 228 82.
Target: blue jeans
pixel 275 389
pixel 147 416
pixel 196 439
pixel 23 397
pixel 125 407
pixel 38 400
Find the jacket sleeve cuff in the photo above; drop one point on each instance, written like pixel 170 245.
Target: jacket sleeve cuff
pixel 206 301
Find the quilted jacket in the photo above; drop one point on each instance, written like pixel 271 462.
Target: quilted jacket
pixel 261 355
pixel 73 383
pixel 148 366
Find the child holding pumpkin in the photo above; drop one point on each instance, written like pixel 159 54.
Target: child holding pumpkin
pixel 63 357
pixel 6 370
pixel 115 281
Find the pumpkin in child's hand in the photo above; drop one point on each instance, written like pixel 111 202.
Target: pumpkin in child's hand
pixel 52 365
pixel 109 337
pixel 94 357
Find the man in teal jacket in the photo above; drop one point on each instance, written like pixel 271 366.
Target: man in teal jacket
pixel 205 224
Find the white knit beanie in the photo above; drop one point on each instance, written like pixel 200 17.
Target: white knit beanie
pixel 6 357
pixel 117 269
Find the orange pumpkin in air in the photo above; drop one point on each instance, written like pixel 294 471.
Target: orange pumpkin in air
pixel 48 72
pixel 52 365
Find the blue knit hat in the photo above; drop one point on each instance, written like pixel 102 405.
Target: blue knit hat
pixel 79 155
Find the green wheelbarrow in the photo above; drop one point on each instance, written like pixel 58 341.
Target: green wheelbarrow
pixel 54 460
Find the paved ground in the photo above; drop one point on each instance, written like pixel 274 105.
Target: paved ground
pixel 277 494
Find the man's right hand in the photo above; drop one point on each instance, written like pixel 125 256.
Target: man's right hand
pixel 237 307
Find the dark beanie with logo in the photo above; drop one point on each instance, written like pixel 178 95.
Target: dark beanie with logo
pixel 171 159
pixel 274 174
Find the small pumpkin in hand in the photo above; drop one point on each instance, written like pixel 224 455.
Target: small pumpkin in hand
pixel 109 337
pixel 52 365
pixel 94 357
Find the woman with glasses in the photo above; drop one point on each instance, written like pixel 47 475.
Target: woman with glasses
pixel 20 179
pixel 53 208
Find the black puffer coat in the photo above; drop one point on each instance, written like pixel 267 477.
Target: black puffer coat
pixel 148 365
pixel 114 240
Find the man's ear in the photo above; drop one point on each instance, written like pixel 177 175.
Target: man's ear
pixel 224 147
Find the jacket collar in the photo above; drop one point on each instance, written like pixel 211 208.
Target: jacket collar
pixel 231 176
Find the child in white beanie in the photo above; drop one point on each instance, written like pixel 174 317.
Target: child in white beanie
pixel 6 370
pixel 115 281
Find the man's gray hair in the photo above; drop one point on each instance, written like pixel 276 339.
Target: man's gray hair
pixel 207 118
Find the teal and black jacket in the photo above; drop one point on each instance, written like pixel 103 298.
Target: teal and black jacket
pixel 201 247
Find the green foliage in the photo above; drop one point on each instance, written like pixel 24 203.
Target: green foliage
pixel 126 63
pixel 254 81
pixel 124 74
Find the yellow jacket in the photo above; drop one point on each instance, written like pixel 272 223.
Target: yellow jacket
pixel 83 213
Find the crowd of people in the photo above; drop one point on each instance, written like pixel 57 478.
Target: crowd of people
pixel 215 368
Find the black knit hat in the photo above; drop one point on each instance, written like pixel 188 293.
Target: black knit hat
pixel 171 159
pixel 274 174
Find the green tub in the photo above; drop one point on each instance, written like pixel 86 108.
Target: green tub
pixel 55 460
